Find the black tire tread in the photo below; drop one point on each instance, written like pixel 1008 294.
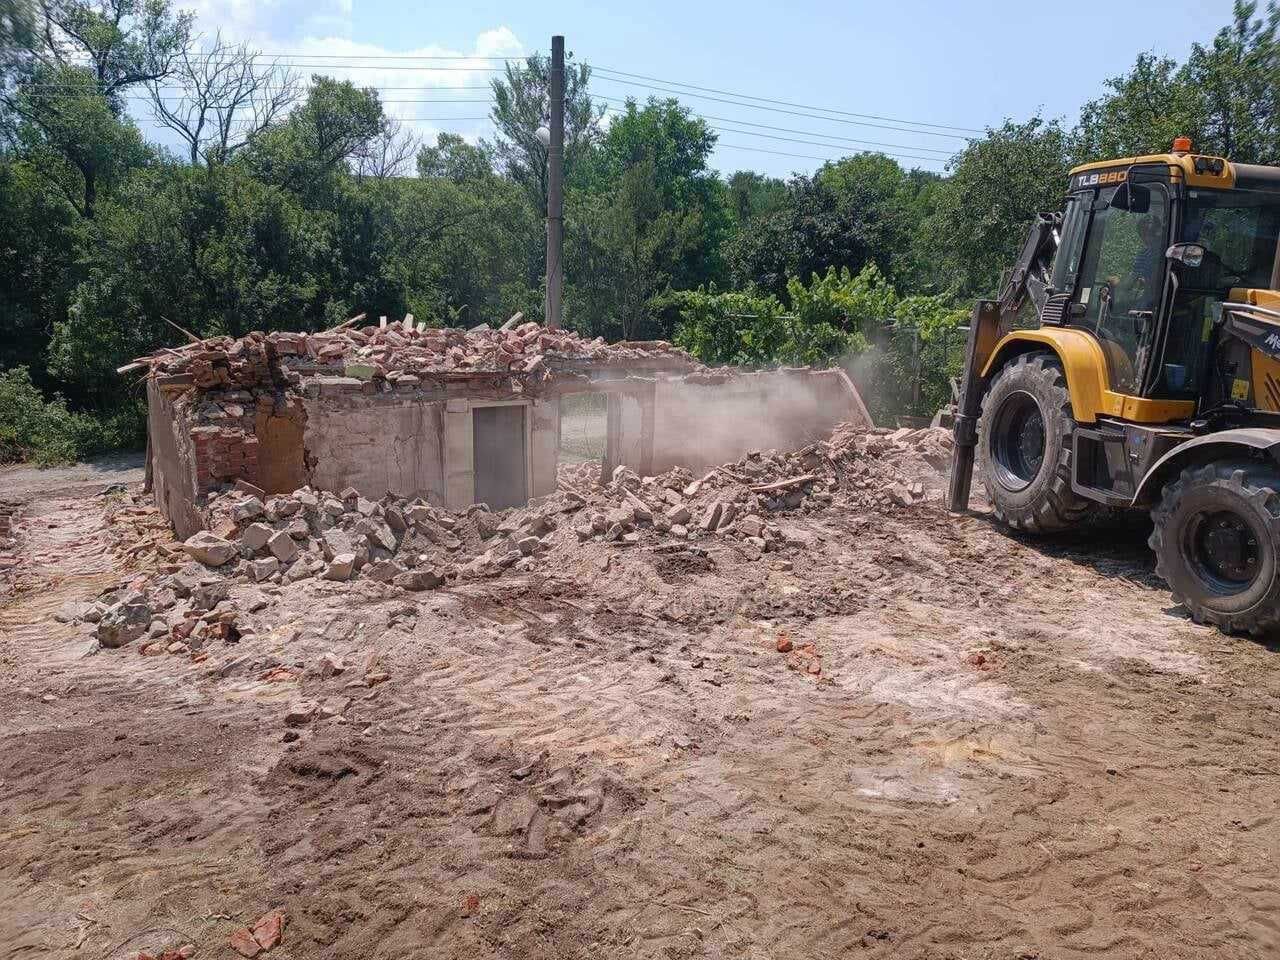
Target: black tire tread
pixel 1060 508
pixel 1243 479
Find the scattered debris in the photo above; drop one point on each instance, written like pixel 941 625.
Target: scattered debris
pixel 264 935
pixel 411 546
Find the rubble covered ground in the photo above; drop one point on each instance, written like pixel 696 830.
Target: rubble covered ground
pixel 787 708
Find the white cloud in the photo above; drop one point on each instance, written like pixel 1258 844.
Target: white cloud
pixel 271 23
pixel 321 32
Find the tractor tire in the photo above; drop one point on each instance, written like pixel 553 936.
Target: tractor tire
pixel 1024 447
pixel 1217 544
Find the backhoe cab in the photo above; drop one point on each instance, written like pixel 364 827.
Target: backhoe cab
pixel 1132 360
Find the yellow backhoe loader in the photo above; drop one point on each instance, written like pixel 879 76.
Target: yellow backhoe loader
pixel 1132 360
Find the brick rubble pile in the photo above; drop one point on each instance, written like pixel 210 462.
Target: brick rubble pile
pixel 396 353
pixel 736 500
pixel 407 545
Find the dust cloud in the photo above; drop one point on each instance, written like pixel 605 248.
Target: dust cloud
pixel 699 425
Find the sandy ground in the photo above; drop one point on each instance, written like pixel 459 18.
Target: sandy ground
pixel 19 482
pixel 1011 750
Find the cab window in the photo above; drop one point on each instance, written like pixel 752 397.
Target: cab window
pixel 1121 275
pixel 1238 229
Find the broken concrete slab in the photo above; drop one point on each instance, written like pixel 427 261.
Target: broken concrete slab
pixel 282 546
pixel 209 549
pixel 341 566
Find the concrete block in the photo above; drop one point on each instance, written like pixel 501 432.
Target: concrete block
pixel 341 567
pixel 255 536
pixel 282 546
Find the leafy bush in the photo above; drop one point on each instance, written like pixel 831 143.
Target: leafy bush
pixel 827 320
pixel 46 432
pixel 738 328
pixel 856 320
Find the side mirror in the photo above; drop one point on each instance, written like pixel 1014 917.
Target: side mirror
pixel 1190 254
pixel 1132 197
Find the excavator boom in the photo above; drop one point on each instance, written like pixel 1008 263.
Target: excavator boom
pixel 991 319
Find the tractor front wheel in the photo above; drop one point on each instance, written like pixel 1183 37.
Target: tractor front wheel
pixel 1216 540
pixel 1024 447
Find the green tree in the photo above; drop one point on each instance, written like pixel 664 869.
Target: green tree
pixel 464 253
pixel 125 42
pixel 1236 81
pixel 665 133
pixel 455 160
pixel 74 136
pixel 39 263
pixel 817 227
pixel 17 28
pixel 622 251
pixel 308 149
pixel 521 105
pixel 1226 97
pixel 983 209
pixel 678 145
pixel 70 83
pixel 888 199
pixel 1142 113
pixel 752 194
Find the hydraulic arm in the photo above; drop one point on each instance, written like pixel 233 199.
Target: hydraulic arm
pixel 992 318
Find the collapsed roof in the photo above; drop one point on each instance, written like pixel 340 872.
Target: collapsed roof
pixel 398 350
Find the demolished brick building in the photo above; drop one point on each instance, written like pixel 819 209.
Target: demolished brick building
pixel 455 417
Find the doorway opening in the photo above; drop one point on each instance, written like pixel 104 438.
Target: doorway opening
pixel 584 435
pixel 501 458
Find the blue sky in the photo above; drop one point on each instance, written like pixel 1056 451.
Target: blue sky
pixel 948 64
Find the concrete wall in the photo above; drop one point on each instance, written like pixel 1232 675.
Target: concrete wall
pixel 345 433
pixel 173 470
pixel 376 446
pixel 544 441
pixel 699 424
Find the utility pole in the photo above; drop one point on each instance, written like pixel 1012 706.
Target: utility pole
pixel 555 189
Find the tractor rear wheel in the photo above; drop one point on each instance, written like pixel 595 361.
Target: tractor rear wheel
pixel 1217 543
pixel 1024 447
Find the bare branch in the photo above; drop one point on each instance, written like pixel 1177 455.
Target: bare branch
pixel 219 99
pixel 391 154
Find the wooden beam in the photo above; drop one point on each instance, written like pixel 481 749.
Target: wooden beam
pixel 186 333
pixel 784 484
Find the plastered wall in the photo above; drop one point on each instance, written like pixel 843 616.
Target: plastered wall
pixel 376 447
pixel 173 472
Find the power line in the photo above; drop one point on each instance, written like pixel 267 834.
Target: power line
pixel 817 143
pixel 78 88
pixel 825 141
pixel 327 61
pixel 210 55
pixel 388 56
pixel 785 103
pixel 145 98
pixel 148 98
pixel 161 123
pixel 361 66
pixel 807 133
pixel 776 153
pixel 813 116
pixel 806 156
